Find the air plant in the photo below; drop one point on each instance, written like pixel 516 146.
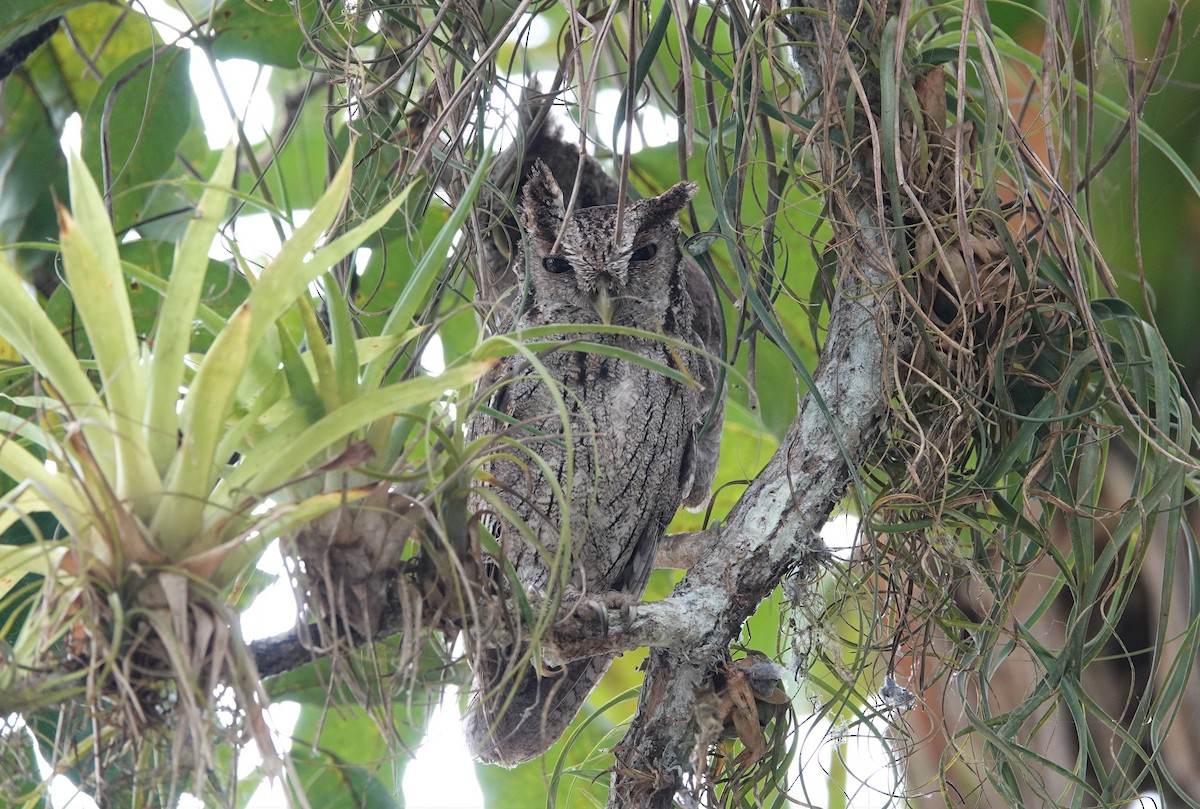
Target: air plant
pixel 168 472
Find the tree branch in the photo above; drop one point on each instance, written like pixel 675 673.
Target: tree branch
pixel 581 631
pixel 584 629
pixel 773 530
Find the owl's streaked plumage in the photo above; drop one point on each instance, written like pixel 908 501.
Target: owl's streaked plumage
pixel 637 450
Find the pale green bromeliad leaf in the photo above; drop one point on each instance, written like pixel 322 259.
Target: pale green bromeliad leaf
pixel 178 523
pixel 93 271
pixel 172 332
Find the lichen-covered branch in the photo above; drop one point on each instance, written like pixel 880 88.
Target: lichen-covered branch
pixel 773 530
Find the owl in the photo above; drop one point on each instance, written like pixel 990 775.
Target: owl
pixel 593 452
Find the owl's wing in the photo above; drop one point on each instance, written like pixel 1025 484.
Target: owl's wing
pixel 706 323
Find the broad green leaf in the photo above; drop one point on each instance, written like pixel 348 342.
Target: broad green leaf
pixel 103 35
pixel 133 126
pixel 355 415
pixel 302 375
pixel 38 558
pixel 267 33
pixel 345 359
pixel 320 350
pixel 395 251
pixel 25 326
pixel 296 176
pixel 20 17
pixel 237 554
pixel 147 264
pixel 32 166
pixel 363 749
pixel 297 265
pixel 55 492
pixel 242 433
pixel 424 274
pixel 328 780
pixel 267 439
pixel 54 82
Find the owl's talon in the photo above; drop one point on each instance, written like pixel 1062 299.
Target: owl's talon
pixel 629 614
pixel 602 613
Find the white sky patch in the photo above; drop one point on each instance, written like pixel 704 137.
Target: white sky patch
pixel 650 127
pixel 71 140
pixel 270 794
pixel 262 508
pixel 433 358
pixel 872 779
pixel 867 776
pixel 538 28
pixel 809 782
pixel 500 119
pixel 245 83
pixel 841 535
pixel 274 610
pixel 168 20
pixel 362 260
pixel 443 751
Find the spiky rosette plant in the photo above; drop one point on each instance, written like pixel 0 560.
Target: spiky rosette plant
pixel 167 472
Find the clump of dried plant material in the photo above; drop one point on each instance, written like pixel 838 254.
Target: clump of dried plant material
pixel 971 302
pixel 154 656
pixel 746 705
pixel 351 557
pixel 391 564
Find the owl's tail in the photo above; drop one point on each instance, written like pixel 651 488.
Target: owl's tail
pixel 510 731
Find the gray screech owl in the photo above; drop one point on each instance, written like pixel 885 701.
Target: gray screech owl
pixel 629 451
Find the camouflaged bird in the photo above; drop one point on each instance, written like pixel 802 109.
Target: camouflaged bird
pixel 595 452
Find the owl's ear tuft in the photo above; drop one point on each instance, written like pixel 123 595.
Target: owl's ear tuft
pixel 542 210
pixel 665 207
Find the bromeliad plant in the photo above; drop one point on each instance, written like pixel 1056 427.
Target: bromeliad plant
pixel 165 472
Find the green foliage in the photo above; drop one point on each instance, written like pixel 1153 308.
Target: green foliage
pixel 146 482
pixel 174 392
pixel 149 91
pixel 30 158
pixel 269 35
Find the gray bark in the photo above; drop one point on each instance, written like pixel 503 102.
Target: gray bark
pixel 773 531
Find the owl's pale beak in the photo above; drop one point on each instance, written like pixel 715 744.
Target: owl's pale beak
pixel 604 305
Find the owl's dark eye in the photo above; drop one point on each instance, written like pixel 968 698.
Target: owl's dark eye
pixel 556 264
pixel 644 253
